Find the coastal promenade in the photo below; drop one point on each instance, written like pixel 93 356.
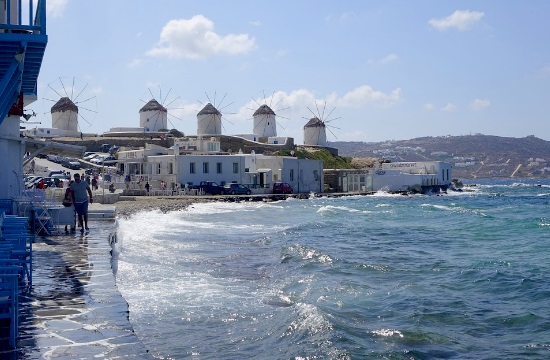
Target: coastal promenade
pixel 75 310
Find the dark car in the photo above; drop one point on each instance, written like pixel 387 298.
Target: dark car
pixel 52 182
pixel 281 188
pixel 234 189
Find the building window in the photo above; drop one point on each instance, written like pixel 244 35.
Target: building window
pixel 192 168
pixel 205 168
pixel 157 168
pixel 235 168
pixel 219 168
pixel 291 174
pixel 170 168
pixel 316 175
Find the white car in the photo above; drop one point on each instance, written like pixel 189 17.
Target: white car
pixel 98 159
pixel 89 155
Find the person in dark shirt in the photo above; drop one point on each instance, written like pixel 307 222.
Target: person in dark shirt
pixel 80 191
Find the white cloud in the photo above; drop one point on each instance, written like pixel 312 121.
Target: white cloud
pixel 460 19
pixel 479 104
pixel 385 60
pixel 365 95
pixel 256 23
pixel 195 39
pixel 389 58
pixel 135 63
pixel 449 107
pixel 303 104
pixel 281 53
pixel 56 8
pixel 429 107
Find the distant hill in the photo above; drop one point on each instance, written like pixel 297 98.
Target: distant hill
pixel 473 156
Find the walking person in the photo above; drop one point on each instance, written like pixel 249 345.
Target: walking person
pixel 80 190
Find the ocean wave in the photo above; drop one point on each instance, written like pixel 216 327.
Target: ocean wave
pixel 387 333
pixel 301 252
pixel 455 209
pixel 336 209
pixel 310 320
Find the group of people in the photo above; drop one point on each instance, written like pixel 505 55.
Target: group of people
pixel 77 194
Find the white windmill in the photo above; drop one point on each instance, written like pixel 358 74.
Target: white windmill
pixel 209 119
pixel 265 119
pixel 65 115
pixel 73 105
pixel 315 129
pixel 154 115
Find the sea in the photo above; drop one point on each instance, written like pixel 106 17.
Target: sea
pixel 462 275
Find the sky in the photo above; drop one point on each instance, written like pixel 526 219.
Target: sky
pixel 372 70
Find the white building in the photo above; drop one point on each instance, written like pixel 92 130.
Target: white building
pixel 423 177
pixel 427 174
pixel 185 165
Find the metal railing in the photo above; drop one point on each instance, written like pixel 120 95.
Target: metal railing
pixel 36 17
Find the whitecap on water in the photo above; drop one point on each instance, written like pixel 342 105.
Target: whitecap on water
pixel 335 209
pixel 387 332
pixel 309 320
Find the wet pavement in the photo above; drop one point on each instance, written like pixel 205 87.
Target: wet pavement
pixel 74 310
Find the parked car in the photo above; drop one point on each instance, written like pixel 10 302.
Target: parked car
pixel 107 161
pixel 90 157
pixel 31 183
pixel 71 163
pixel 234 189
pixel 63 177
pixel 54 158
pixel 52 182
pixel 98 160
pixel 281 188
pixel 113 149
pixel 30 180
pixel 52 173
pixel 209 187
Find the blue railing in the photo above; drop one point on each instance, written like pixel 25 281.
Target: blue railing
pixel 36 17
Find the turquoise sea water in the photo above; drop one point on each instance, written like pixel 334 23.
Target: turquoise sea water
pixel 463 275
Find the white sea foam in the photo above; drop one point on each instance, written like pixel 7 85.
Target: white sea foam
pixel 309 320
pixel 387 332
pixel 335 209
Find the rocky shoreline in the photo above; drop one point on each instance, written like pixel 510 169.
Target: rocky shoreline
pixel 127 208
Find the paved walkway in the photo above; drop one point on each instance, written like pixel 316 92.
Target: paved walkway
pixel 74 310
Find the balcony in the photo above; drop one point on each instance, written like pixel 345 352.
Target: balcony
pixel 23 42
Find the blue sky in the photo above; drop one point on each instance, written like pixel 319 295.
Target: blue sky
pixel 382 70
